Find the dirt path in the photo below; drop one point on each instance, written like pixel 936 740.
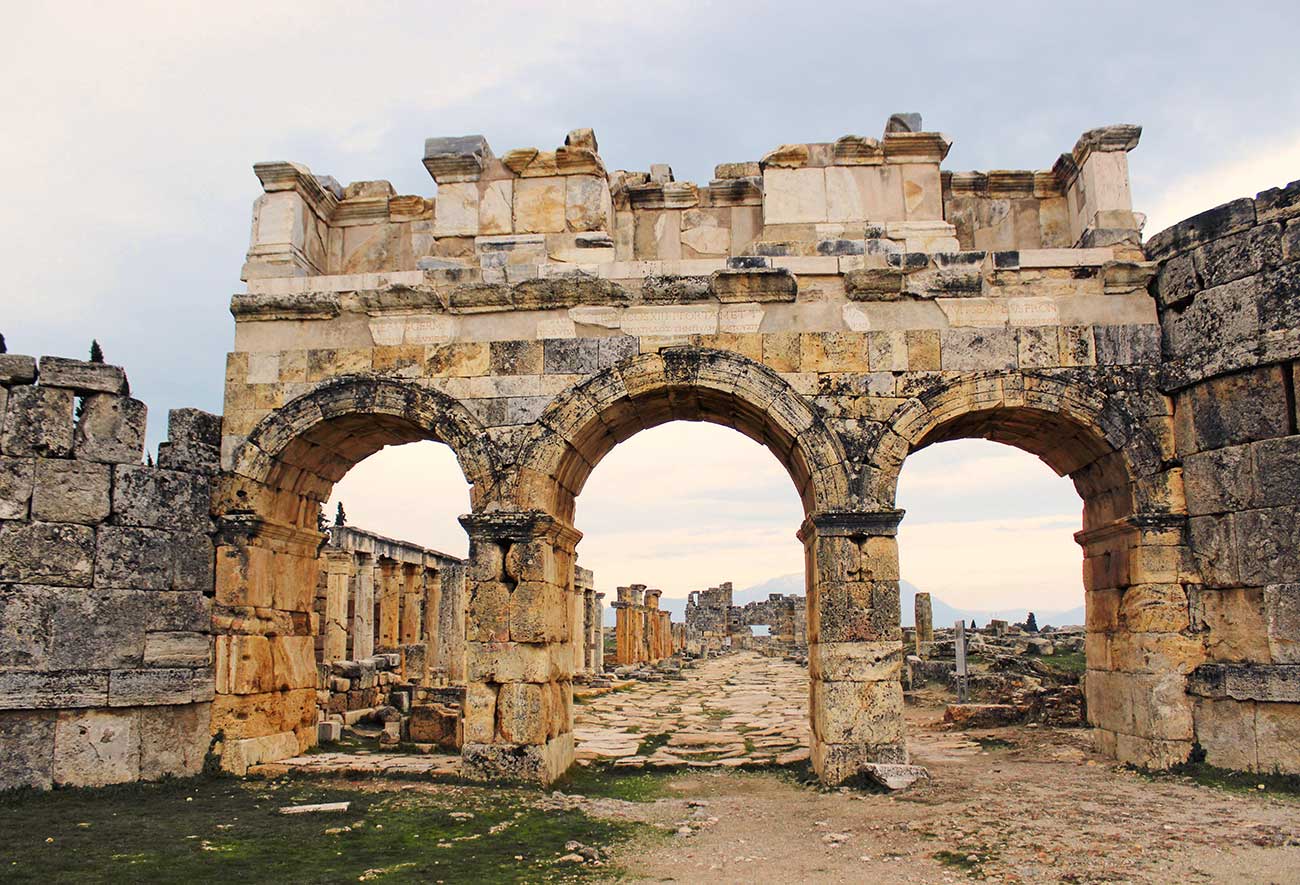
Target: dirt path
pixel 1009 805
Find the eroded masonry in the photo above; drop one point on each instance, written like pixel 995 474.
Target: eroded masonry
pixel 844 304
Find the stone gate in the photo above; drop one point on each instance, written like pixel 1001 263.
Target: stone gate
pixel 843 304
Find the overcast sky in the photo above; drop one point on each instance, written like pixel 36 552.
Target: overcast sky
pixel 131 130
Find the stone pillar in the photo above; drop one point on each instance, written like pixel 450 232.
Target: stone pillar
pixel 855 647
pixel 624 632
pixel 598 631
pixel 924 624
pixel 435 648
pixel 640 651
pixel 338 570
pixel 363 609
pixel 389 605
pixel 412 614
pixel 654 639
pixel 589 629
pixel 519 695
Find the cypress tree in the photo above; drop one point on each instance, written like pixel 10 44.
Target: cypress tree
pixel 340 518
pixel 96 353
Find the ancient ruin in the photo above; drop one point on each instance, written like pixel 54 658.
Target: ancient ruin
pixel 643 634
pixel 844 303
pixel 714 624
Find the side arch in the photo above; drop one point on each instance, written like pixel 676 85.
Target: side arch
pixel 584 423
pixel 309 443
pixel 1118 456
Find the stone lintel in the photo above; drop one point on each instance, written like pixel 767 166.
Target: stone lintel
pixel 1141 524
pixel 916 147
pixel 851 523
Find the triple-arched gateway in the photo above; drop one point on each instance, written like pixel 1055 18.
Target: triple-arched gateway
pixel 843 304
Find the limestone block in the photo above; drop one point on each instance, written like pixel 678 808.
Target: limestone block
pixel 1215 549
pixel 70 491
pixel 1276 477
pixel 754 285
pixel 25 625
pixel 238 755
pixel 487 611
pixel 151 497
pixel 243 716
pixel 495 210
pixel 174 740
pixel 28 757
pixel 60 554
pixel 922 191
pixel 977 349
pixel 178 649
pixel 1225 729
pixel 435 724
pixel 16 369
pixel 512 662
pixel 1282 614
pixel 111 429
pixel 657 235
pixel 456 210
pixel 520 716
pixel 244 665
pixel 1215 318
pixel 857 712
pixel 30 690
pixel 586 202
pixel 1266 541
pixel 1239 255
pixel 1219 480
pixel 568 356
pixel 38 421
pixel 858 193
pixel 479 719
pixel 539 205
pixel 98 629
pixel 791 196
pixel 707 240
pixel 81 376
pixel 94 748
pixel 151 559
pixel 154 686
pixel 293 660
pixel 1278 737
pixel 1153 608
pixel 537 613
pixel 855 661
pixel 17 477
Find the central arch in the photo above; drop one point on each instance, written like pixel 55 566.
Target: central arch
pixel 853 631
pixel 585 422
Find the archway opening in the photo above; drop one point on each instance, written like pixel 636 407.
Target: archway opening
pixel 989 541
pixel 310 614
pixel 1139 644
pixel 692 524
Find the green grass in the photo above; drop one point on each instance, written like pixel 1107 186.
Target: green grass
pixel 1066 661
pixel 216 829
pixel 609 782
pixel 1233 781
pixel 994 743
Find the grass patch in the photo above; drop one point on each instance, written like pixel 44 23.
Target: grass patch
pixel 652 742
pixel 716 713
pixel 1226 779
pixel 994 743
pixel 609 782
pixel 218 829
pixel 1074 662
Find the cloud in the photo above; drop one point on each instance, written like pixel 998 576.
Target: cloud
pixel 1262 163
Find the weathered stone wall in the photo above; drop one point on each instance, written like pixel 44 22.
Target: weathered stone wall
pixel 1228 292
pixel 106 575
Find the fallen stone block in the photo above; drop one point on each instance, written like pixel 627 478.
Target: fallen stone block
pixel 894 777
pixel 329 731
pixel 323 807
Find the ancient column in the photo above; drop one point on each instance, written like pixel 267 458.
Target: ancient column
pixel 390 597
pixel 435 648
pixel 654 641
pixel 598 629
pixel 363 608
pixel 624 634
pixel 334 629
pixel 412 615
pixel 855 642
pixel 640 651
pixel 589 630
pixel 924 624
pixel 518 711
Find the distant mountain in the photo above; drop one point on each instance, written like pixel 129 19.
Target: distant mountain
pixel 944 615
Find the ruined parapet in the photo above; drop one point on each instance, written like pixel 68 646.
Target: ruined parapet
pixel 1228 293
pixel 106 576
